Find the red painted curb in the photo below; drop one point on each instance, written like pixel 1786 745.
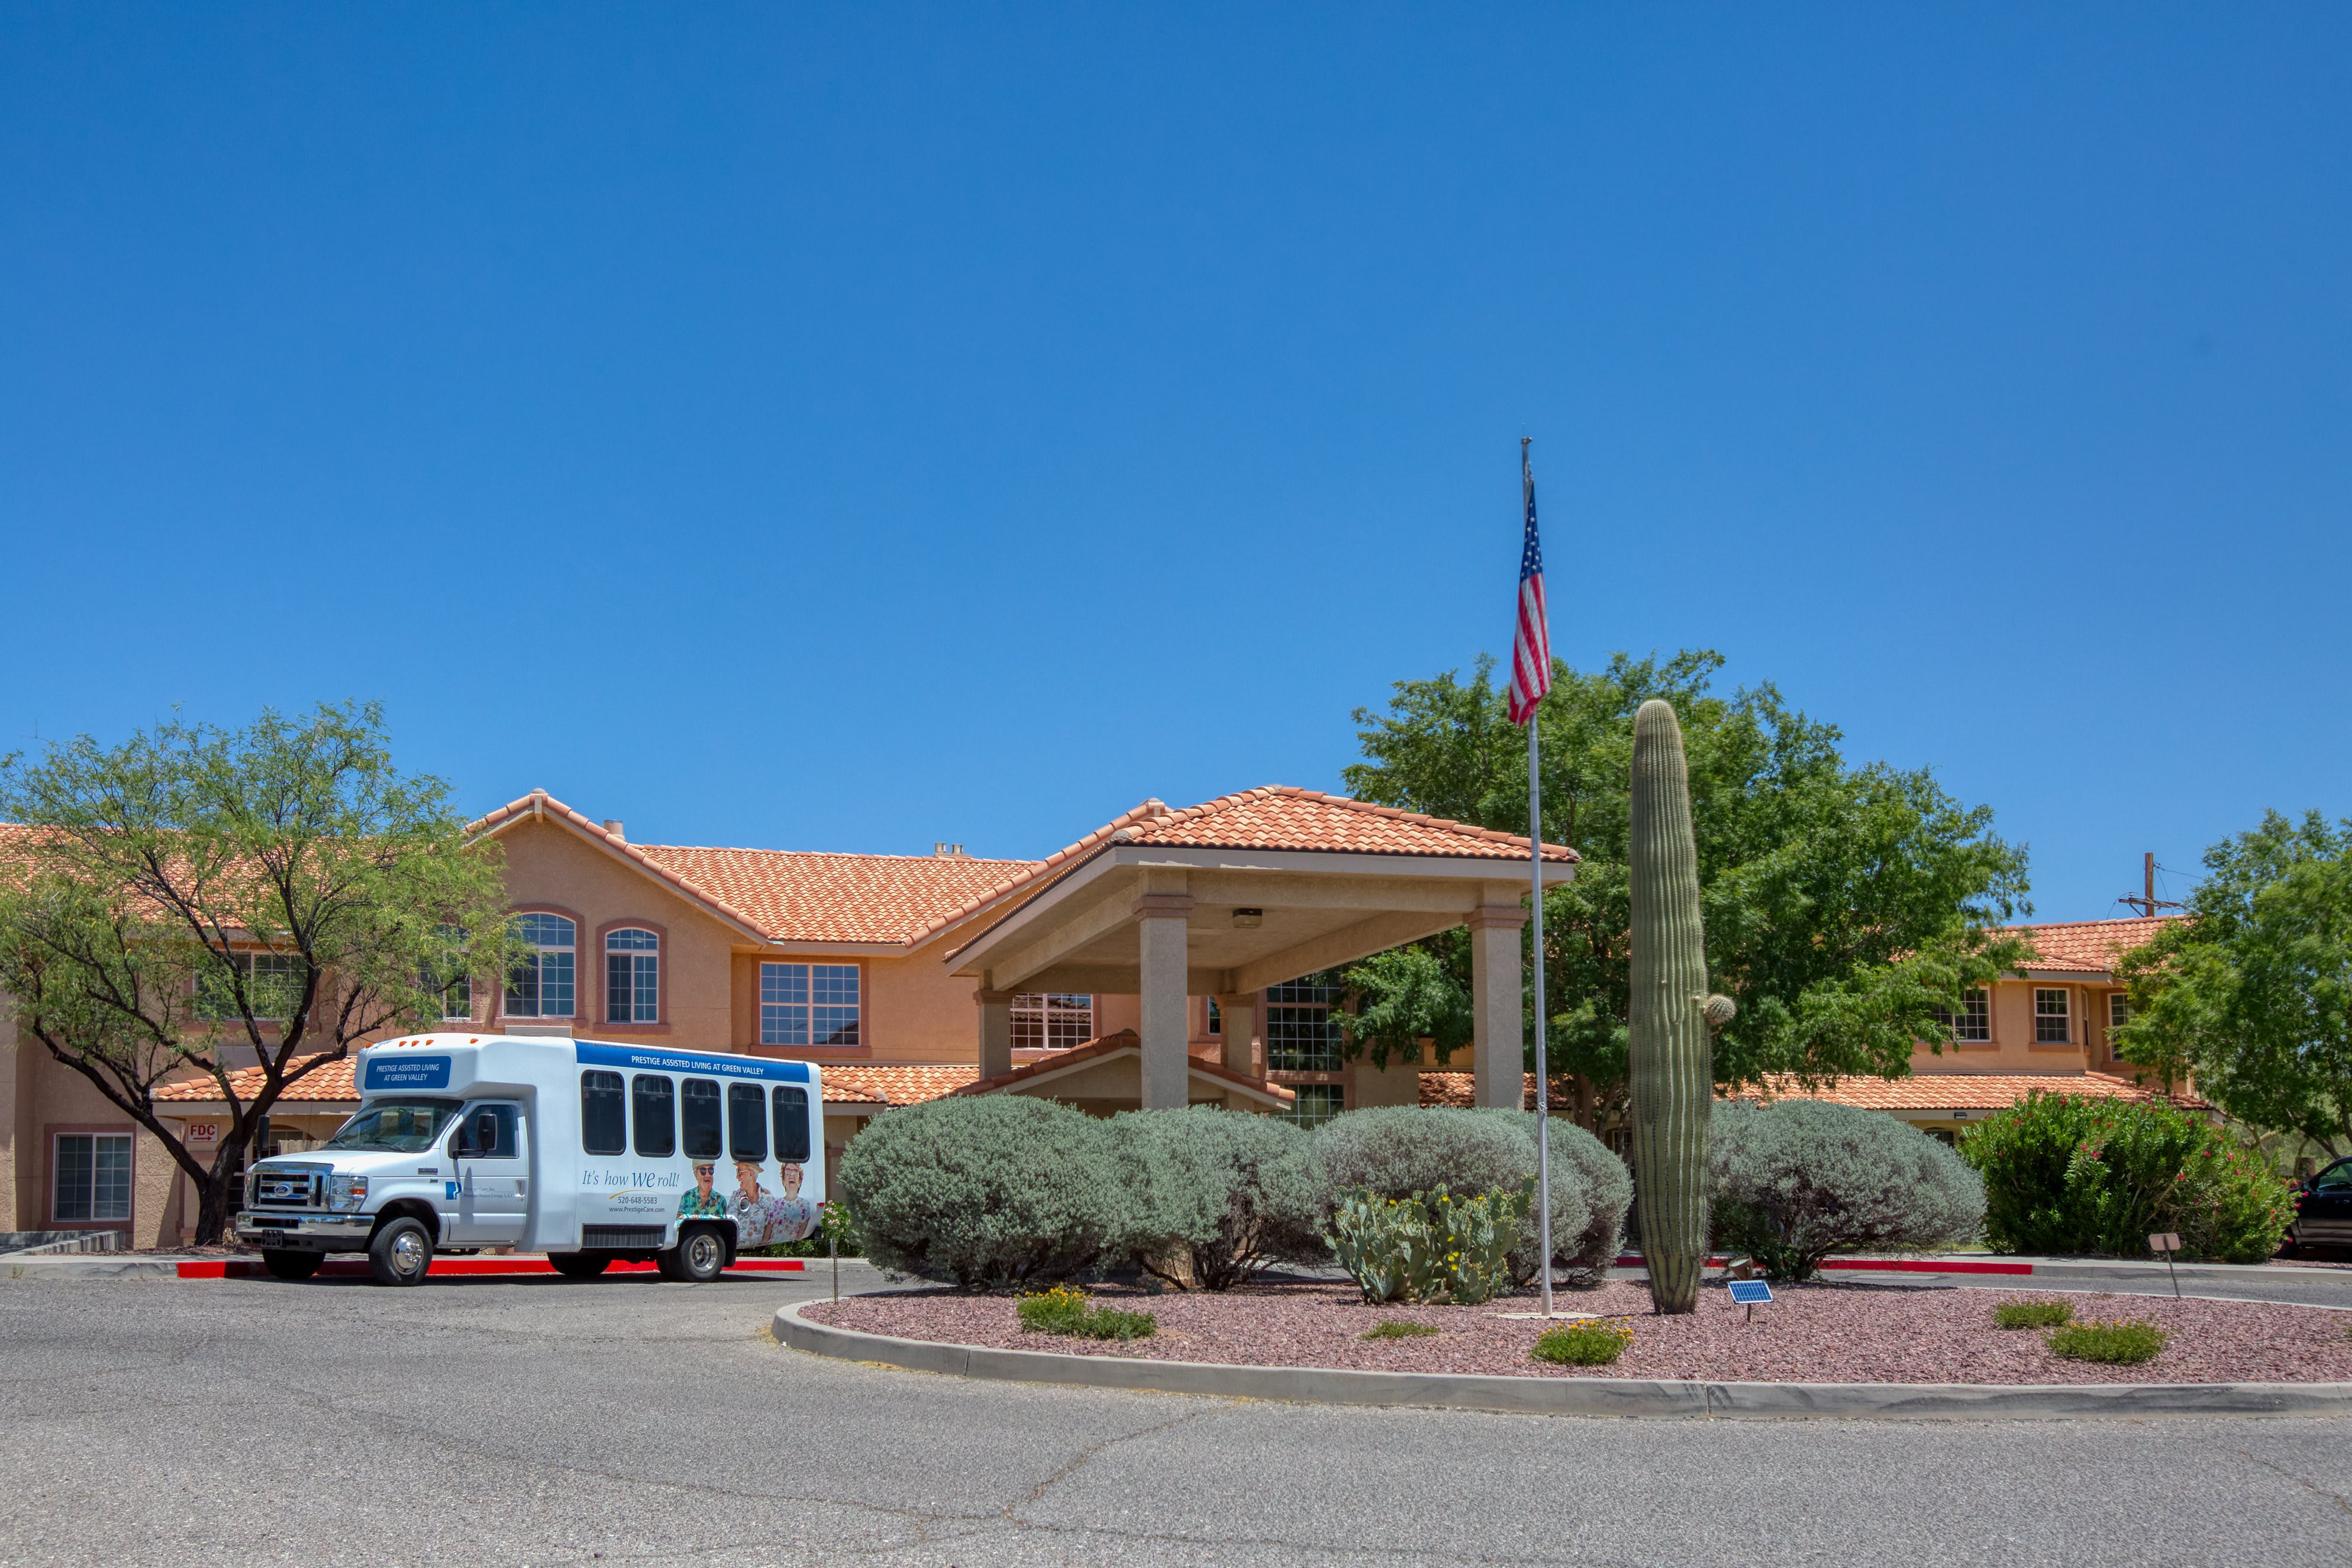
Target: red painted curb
pixel 444 1267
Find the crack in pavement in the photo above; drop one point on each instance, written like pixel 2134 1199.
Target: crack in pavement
pixel 2313 1487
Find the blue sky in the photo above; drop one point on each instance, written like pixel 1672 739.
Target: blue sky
pixel 852 427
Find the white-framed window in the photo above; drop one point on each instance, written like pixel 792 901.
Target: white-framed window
pixel 269 986
pixel 457 996
pixel 1972 1023
pixel 543 982
pixel 632 976
pixel 90 1177
pixel 2054 1024
pixel 809 1004
pixel 1302 1027
pixel 1052 1021
pixel 2118 1009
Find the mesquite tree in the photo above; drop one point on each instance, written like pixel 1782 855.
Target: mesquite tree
pixel 195 900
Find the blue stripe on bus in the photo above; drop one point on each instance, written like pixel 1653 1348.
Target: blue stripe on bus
pixel 649 1058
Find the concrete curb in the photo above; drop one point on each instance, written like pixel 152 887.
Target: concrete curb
pixel 1573 1396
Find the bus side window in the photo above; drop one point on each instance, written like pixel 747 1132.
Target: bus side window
pixel 792 1125
pixel 657 1116
pixel 602 1129
pixel 697 1104
pixel 747 1122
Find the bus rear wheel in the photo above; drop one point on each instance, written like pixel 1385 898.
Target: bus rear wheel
pixel 401 1254
pixel 578 1264
pixel 291 1263
pixel 697 1257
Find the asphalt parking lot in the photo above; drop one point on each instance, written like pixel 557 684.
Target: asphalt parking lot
pixel 545 1421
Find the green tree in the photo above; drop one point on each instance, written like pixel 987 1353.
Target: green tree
pixel 1844 906
pixel 197 901
pixel 2252 991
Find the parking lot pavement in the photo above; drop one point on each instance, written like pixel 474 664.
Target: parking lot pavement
pixel 2298 1286
pixel 547 1421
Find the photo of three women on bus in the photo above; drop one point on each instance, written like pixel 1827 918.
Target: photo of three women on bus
pixel 761 1217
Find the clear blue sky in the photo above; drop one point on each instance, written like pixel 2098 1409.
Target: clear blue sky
pixel 850 427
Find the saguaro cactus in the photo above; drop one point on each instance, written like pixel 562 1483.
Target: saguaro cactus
pixel 1673 1016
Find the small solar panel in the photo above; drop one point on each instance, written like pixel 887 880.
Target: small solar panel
pixel 1749 1292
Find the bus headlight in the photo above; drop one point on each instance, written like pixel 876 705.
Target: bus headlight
pixel 345 1194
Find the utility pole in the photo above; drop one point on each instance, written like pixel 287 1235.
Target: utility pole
pixel 2147 903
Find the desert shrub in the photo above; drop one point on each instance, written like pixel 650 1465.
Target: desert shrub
pixel 990 1192
pixel 1794 1181
pixel 2032 1314
pixel 1063 1310
pixel 1423 1247
pixel 1232 1189
pixel 1401 1328
pixel 1596 1343
pixel 1397 1151
pixel 2067 1173
pixel 2125 1340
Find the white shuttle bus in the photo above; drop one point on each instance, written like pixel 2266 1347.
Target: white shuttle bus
pixel 586 1150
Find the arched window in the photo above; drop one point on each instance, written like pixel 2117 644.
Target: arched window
pixel 632 976
pixel 542 984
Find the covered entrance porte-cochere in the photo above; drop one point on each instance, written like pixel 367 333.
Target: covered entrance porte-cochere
pixel 1250 890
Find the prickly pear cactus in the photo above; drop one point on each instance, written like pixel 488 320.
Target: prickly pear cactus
pixel 1672 1017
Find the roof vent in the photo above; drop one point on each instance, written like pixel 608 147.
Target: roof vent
pixel 943 850
pixel 613 826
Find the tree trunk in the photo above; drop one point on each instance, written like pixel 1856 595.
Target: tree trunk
pixel 215 1201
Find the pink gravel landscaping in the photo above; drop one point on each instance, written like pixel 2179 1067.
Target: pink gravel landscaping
pixel 1812 1333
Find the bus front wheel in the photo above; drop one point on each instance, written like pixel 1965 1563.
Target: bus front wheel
pixel 401 1254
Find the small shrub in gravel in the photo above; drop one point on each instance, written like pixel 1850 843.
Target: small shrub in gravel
pixel 2064 1174
pixel 1401 1328
pixel 1596 1343
pixel 1794 1181
pixel 1233 1190
pixel 2032 1314
pixel 1061 1311
pixel 990 1192
pixel 2130 1340
pixel 1397 1151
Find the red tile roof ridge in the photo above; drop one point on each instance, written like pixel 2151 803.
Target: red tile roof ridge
pixel 539 801
pixel 1151 808
pixel 833 854
pixel 1394 813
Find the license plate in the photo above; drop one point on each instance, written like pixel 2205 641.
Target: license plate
pixel 269 1235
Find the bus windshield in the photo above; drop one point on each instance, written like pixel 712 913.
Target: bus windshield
pixel 395 1126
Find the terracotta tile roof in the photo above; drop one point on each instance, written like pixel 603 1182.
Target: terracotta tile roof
pixel 2089 947
pixel 1278 817
pixel 1965 1090
pixel 1459 1089
pixel 892 1085
pixel 332 1081
pixel 1110 1045
pixel 785 895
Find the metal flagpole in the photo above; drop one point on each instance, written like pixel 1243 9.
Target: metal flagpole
pixel 1535 863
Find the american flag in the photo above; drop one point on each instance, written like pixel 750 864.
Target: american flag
pixel 1531 647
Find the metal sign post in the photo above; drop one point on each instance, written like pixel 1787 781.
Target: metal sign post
pixel 2168 1243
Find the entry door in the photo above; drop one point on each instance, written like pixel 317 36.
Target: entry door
pixel 495 1181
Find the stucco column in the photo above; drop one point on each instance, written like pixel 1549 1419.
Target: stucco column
pixel 995 1032
pixel 1497 1015
pixel 1159 922
pixel 1237 1017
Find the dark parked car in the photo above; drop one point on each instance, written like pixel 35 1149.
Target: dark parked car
pixel 2323 1210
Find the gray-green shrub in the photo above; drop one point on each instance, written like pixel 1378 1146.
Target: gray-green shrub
pixel 1794 1181
pixel 1232 1189
pixel 988 1191
pixel 1397 1151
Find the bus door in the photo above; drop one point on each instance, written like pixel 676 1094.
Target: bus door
pixel 494 1175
